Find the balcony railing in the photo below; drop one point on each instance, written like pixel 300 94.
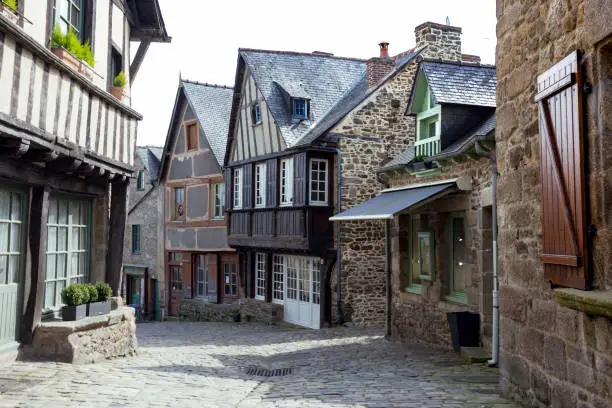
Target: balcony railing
pixel 427 147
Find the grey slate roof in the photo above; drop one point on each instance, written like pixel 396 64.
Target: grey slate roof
pixel 212 105
pixel 401 159
pixel 150 156
pixel 325 79
pixel 459 83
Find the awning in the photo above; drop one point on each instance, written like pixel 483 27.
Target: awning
pixel 394 201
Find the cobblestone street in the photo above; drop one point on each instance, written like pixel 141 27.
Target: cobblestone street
pixel 205 365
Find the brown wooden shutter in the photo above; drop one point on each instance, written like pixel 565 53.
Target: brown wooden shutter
pixel 271 183
pixel 564 249
pixel 192 136
pixel 228 189
pixel 299 179
pixel 247 185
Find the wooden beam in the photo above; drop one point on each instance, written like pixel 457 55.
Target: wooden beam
pixel 37 236
pixel 43 156
pixel 85 168
pixel 140 54
pixel 118 214
pixel 14 147
pixel 65 164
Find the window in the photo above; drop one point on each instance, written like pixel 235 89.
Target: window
pixel 426 254
pixel 68 247
pixel 140 181
pixel 231 279
pixel 191 134
pixel 135 239
pixel 175 256
pixel 260 276
pixel 286 182
pixel 278 278
pixel 201 276
pixel 237 189
pixel 256 114
pixel 179 203
pixel 299 109
pixel 457 258
pixel 260 185
pixel 219 200
pixel 315 273
pixel 116 65
pixel 420 247
pixel 318 181
pixel 69 14
pixel 176 277
pixel 12 248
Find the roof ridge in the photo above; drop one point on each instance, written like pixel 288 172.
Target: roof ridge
pixel 459 63
pixel 308 54
pixel 189 81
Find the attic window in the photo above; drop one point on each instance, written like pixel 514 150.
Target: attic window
pixel 256 113
pixel 300 109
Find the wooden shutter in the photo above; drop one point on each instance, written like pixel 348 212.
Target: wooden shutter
pixel 564 249
pixel 271 183
pixel 228 189
pixel 299 179
pixel 247 185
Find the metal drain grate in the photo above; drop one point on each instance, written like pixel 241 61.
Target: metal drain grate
pixel 266 372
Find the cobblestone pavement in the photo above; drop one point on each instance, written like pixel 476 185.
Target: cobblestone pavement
pixel 205 365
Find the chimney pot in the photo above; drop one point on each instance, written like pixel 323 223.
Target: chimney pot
pixel 384 49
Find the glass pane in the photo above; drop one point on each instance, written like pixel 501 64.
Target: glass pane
pixel 84 214
pixel 62 238
pixel 3 269
pixel 13 269
pixel 59 286
pixel 62 212
pixel 415 266
pixel 5 205
pixel 74 264
pixel 83 264
pixel 52 239
pixel 75 238
pixel 52 212
pixel 4 237
pixel 49 294
pixel 50 270
pixel 16 207
pixel 424 247
pixel 61 266
pixel 16 238
pixel 458 255
pixel 83 238
pixel 432 129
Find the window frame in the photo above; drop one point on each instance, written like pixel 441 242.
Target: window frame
pixel 278 286
pixel 136 233
pixel 294 108
pixel 256 113
pixel 230 271
pixel 219 194
pixel 413 237
pixel 260 185
pixel 237 188
pixel 326 182
pixel 454 294
pixel 286 182
pixel 260 276
pixel 80 31
pixel 188 125
pixel 201 266
pixel 140 180
pixel 175 211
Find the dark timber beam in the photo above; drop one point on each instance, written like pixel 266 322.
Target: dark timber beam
pixel 43 156
pixel 14 147
pixel 37 236
pixel 65 164
pixel 140 54
pixel 118 214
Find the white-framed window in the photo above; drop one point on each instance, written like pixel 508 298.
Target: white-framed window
pixel 256 113
pixel 260 185
pixel 318 181
pixel 286 182
pixel 12 248
pixel 260 276
pixel 237 188
pixel 68 247
pixel 278 279
pixel 219 200
pixel 201 276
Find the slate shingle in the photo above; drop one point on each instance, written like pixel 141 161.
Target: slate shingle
pixel 150 156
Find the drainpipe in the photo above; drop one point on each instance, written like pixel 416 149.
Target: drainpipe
pixel 339 234
pixel 495 340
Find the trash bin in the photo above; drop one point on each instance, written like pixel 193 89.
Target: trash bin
pixel 465 329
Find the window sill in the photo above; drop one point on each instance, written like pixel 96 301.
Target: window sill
pixel 416 289
pixel 592 303
pixel 457 298
pixel 135 252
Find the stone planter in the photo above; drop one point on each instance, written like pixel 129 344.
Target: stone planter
pixel 117 92
pixel 72 313
pixel 67 57
pixel 421 165
pixel 98 308
pixel 8 13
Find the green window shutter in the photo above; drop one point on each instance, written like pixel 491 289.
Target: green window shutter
pixel 136 239
pixel 140 180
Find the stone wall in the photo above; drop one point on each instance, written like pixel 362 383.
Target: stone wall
pixel 441 41
pixel 246 310
pixel 551 355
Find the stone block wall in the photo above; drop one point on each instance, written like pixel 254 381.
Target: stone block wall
pixel 441 41
pixel 247 310
pixel 551 355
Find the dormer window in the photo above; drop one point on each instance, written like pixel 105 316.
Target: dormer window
pixel 300 110
pixel 256 113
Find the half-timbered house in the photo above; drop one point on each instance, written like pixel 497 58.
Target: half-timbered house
pixel 66 147
pixel 199 263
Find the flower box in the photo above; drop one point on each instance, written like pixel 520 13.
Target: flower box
pixel 8 13
pixel 118 92
pixel 98 308
pixel 73 313
pixel 67 57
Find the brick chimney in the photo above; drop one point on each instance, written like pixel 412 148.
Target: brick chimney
pixel 442 41
pixel 378 67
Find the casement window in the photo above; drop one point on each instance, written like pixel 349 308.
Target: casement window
pixel 175 256
pixel 68 249
pixel 256 112
pixel 278 278
pixel 260 276
pixel 300 109
pixel 201 276
pixel 179 203
pixel 140 180
pixel 237 189
pixel 286 182
pixel 420 252
pixel 231 279
pixel 191 135
pixel 457 254
pixel 70 14
pixel 116 65
pixel 12 246
pixel 176 277
pixel 219 201
pixel 260 185
pixel 315 274
pixel 318 181
pixel 428 126
pixel 136 239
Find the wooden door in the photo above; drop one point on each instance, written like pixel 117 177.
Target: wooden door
pixel 176 289
pixel 564 248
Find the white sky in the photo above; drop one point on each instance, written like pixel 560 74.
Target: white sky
pixel 206 35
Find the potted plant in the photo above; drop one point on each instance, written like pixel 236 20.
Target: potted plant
pixel 8 8
pixel 100 304
pixel 419 164
pixel 75 297
pixel 119 83
pixel 69 49
pixel 85 54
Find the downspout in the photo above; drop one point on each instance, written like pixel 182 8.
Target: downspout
pixel 338 235
pixel 495 340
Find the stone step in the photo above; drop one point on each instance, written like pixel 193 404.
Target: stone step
pixel 475 354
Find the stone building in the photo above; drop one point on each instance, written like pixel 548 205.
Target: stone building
pixel 66 145
pixel 554 113
pixel 143 262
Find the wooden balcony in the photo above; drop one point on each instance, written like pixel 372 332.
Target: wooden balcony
pixel 294 228
pixel 427 147
pixel 52 114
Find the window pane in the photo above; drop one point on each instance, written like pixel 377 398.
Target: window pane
pixel 62 212
pixel 424 248
pixel 50 270
pixel 49 294
pixel 52 239
pixel 62 238
pixel 4 237
pixel 61 266
pixel 13 269
pixel 3 269
pixel 458 255
pixel 15 207
pixel 59 286
pixel 5 205
pixel 415 266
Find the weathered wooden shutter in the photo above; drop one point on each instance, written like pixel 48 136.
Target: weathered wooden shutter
pixel 299 179
pixel 271 189
pixel 564 249
pixel 228 189
pixel 247 185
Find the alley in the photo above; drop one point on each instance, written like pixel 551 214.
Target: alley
pixel 220 365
